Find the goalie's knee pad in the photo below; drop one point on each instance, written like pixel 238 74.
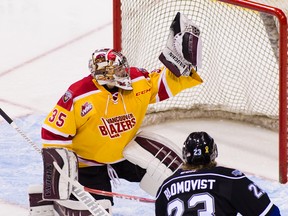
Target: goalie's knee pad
pixel 56 186
pixel 158 155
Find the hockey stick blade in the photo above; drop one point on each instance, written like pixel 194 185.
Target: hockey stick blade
pixel 119 195
pixel 78 191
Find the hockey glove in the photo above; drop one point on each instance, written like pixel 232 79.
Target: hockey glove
pixel 183 48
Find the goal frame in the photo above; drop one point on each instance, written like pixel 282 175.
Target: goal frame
pixel 280 15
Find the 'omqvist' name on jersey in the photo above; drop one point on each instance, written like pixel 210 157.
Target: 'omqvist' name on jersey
pixel 188 185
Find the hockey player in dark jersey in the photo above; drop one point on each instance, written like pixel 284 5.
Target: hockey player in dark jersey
pixel 201 187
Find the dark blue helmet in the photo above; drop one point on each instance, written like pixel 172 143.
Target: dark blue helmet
pixel 199 149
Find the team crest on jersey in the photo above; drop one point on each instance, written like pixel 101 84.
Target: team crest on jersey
pixel 113 127
pixel 236 173
pixel 86 108
pixel 67 96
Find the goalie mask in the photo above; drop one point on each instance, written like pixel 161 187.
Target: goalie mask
pixel 110 68
pixel 199 149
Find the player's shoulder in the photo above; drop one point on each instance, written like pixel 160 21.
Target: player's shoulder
pixel 226 172
pixel 78 88
pixel 138 73
pixel 215 172
pixel 81 87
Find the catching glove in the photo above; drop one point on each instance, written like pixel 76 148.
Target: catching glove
pixel 183 48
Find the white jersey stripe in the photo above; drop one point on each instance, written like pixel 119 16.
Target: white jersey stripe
pixel 57 142
pixel 201 175
pixel 85 95
pixel 54 131
pixel 267 209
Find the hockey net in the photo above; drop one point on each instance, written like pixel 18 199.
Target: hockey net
pixel 244 65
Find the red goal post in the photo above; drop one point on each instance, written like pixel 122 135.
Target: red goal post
pixel 244 59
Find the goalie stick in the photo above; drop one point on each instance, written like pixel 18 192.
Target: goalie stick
pixel 101 192
pixel 78 191
pixel 119 195
pixel 11 122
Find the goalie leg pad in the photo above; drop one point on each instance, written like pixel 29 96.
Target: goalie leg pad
pixel 54 185
pixel 158 155
pixel 73 207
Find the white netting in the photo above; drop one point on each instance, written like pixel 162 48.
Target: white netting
pixel 240 57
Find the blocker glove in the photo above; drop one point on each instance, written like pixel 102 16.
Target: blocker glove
pixel 183 48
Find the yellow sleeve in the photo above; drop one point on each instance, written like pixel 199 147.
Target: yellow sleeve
pixel 62 121
pixel 165 84
pixel 178 84
pixel 59 128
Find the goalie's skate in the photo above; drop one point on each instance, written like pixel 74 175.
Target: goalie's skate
pixel 38 206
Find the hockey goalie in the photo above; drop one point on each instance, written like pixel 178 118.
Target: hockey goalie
pixel 92 132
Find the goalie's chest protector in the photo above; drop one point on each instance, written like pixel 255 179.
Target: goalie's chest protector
pixel 105 122
pixel 97 124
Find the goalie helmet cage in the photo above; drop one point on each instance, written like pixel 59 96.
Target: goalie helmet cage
pixel 244 64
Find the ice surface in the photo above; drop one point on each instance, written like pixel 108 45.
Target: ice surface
pixel 45 46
